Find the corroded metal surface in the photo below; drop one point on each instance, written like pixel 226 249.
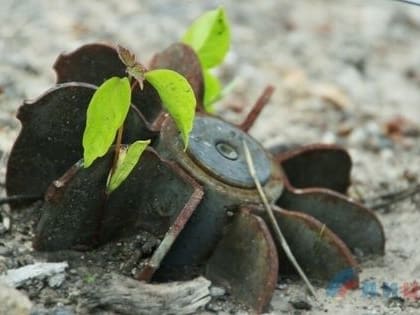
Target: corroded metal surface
pixel 317 165
pixel 50 140
pixel 315 179
pixel 77 212
pixel 92 63
pixel 195 244
pixel 245 261
pixel 95 63
pixel 356 225
pixel 217 147
pixel 319 251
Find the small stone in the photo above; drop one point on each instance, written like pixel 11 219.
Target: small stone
pixel 217 291
pixel 214 307
pixel 395 301
pixel 301 303
pixel 56 280
pixel 281 286
pixel 5 251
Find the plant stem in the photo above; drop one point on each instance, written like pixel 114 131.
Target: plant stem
pixel 257 108
pixel 279 234
pixel 117 149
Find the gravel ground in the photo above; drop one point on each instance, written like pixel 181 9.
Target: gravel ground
pixel 345 72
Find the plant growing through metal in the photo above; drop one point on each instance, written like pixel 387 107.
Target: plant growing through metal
pixel 192 190
pixel 109 107
pixel 209 35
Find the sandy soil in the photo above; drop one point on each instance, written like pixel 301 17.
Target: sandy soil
pixel 343 71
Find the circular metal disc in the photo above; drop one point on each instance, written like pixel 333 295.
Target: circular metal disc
pixel 218 147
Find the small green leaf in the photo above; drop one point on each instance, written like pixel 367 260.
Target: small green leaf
pixel 209 35
pixel 177 97
pixel 126 163
pixel 106 113
pixel 212 88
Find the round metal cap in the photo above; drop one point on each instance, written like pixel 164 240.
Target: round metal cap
pixel 217 146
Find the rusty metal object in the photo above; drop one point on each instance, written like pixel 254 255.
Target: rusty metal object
pixel 226 185
pixel 187 198
pixel 245 261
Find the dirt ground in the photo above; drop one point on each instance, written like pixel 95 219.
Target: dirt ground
pixel 345 72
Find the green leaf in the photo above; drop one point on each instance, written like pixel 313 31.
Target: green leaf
pixel 209 35
pixel 177 97
pixel 106 113
pixel 126 163
pixel 212 88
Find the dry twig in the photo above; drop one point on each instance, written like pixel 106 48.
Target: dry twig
pixel 279 235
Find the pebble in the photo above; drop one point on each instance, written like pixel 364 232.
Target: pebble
pixel 281 286
pixel 56 280
pixel 214 307
pixel 217 291
pixel 301 303
pixel 5 251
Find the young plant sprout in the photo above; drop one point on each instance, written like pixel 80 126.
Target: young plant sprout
pixel 209 36
pixel 109 106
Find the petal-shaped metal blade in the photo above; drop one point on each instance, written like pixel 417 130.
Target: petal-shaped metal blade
pixel 51 137
pixel 320 253
pixel 95 63
pixel 153 196
pixel 91 63
pixel 317 165
pixel 356 225
pixel 245 261
pixel 77 212
pixel 182 59
pixel 71 211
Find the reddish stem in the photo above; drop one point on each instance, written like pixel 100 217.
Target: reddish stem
pixel 257 108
